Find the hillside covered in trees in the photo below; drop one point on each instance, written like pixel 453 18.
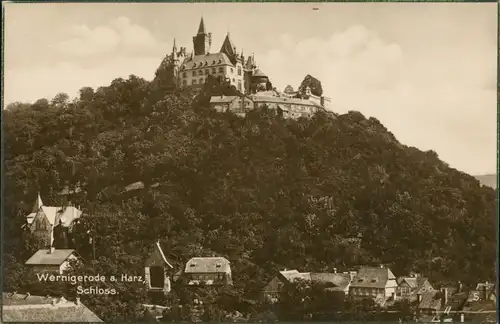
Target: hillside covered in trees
pixel 265 192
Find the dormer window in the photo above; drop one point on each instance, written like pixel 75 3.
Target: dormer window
pixel 220 61
pixel 194 65
pixel 213 62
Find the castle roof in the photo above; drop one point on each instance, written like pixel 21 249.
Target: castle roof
pixel 259 73
pixel 228 46
pixel 207 60
pixel 201 28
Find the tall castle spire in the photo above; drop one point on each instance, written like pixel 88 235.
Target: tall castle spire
pixel 201 29
pixel 202 41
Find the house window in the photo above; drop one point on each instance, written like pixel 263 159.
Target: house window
pixel 157 277
pixel 221 69
pixel 234 81
pixel 207 72
pixel 194 73
pixel 194 82
pixel 184 74
pixel 239 70
pixel 239 85
pixel 201 81
pixel 214 71
pixel 232 70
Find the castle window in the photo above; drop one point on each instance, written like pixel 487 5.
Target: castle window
pixel 214 71
pixel 184 74
pixel 221 69
pixel 207 72
pixel 194 73
pixel 239 70
pixel 194 82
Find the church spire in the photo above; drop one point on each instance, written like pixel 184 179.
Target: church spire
pixel 201 29
pixel 38 203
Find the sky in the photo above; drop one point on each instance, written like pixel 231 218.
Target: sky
pixel 427 71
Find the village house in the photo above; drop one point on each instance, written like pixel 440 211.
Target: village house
pixel 481 304
pixel 338 282
pixel 378 283
pixel 409 287
pixel 52 260
pixel 44 219
pixel 26 308
pixel 446 303
pixel 206 271
pixel 236 104
pixel 157 270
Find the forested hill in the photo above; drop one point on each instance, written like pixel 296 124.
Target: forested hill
pixel 489 180
pixel 265 192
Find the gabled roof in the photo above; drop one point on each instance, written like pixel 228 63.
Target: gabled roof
pixel 44 257
pixel 26 308
pixel 414 283
pixel 372 277
pixel 205 61
pixel 339 280
pixel 222 99
pixel 56 214
pixel 430 300
pixel 160 250
pixel 207 265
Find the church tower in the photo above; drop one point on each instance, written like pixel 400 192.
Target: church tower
pixel 202 41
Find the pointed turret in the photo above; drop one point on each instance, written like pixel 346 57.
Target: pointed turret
pixel 174 52
pixel 228 47
pixel 201 29
pixel 38 204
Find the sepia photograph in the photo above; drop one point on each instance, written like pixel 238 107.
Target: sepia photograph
pixel 249 162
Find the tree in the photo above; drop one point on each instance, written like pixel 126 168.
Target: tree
pixel 313 83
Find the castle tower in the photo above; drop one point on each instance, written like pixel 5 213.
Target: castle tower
pixel 202 41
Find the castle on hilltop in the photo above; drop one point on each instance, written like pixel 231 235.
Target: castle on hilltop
pixel 193 69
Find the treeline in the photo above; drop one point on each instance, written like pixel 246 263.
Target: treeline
pixel 265 192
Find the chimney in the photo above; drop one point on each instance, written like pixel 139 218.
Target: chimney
pixel 27 295
pixel 444 297
pixel 381 266
pixel 78 301
pixel 419 298
pixel 460 286
pixel 51 249
pixel 461 317
pixel 322 101
pixel 334 270
pixel 53 302
pixel 393 295
pixel 485 290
